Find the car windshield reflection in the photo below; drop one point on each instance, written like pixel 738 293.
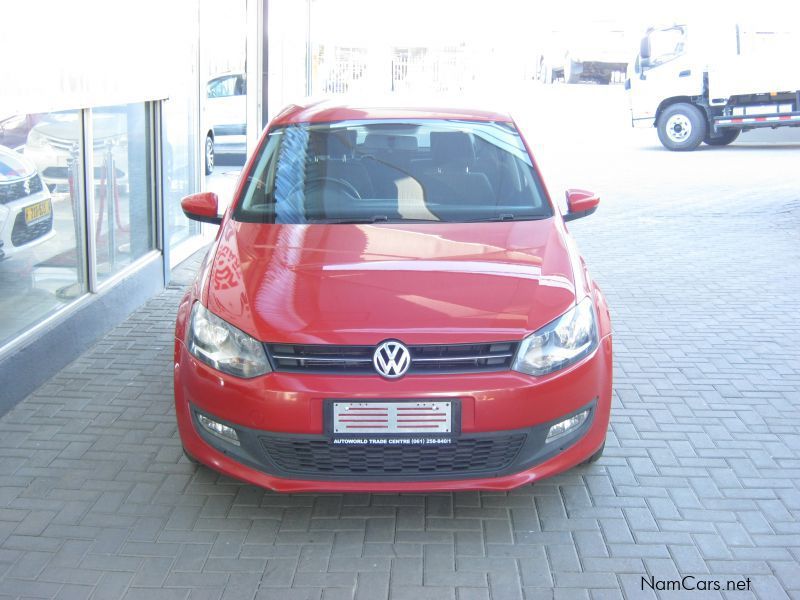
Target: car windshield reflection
pixel 388 171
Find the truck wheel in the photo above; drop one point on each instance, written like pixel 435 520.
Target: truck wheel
pixel 682 127
pixel 726 137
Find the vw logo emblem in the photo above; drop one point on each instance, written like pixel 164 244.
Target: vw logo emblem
pixel 391 359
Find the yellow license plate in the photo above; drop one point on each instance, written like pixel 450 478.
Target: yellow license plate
pixel 36 212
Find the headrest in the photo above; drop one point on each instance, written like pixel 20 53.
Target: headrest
pixel 448 147
pixel 387 141
pixel 332 143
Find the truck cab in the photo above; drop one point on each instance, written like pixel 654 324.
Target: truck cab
pixel 704 83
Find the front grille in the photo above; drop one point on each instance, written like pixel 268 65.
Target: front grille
pixel 461 457
pixel 63 145
pixel 18 189
pixel 72 145
pixel 425 359
pixel 23 234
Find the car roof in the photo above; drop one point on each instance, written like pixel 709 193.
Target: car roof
pixel 338 109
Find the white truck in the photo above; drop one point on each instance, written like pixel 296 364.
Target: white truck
pixel 708 82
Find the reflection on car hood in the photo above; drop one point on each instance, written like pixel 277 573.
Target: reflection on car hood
pixel 420 283
pixel 14 166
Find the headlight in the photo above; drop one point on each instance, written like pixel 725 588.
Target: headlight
pixel 224 347
pixel 561 343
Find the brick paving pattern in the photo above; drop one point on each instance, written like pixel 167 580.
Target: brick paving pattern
pixel 700 474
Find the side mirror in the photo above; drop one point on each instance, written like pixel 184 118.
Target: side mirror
pixel 580 203
pixel 644 48
pixel 202 207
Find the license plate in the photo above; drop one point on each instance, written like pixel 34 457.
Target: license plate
pixel 37 212
pixel 392 417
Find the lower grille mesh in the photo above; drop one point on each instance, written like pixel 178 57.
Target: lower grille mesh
pixel 22 233
pixel 462 456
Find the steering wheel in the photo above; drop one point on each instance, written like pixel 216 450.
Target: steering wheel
pixel 348 187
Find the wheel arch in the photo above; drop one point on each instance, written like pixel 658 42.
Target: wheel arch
pixel 665 104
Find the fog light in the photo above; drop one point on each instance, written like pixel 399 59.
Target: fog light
pixel 566 426
pixel 218 429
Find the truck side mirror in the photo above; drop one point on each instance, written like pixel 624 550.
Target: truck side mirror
pixel 644 49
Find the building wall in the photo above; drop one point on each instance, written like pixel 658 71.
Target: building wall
pixel 103 125
pixel 99 141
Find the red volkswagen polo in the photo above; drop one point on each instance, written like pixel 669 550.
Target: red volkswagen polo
pixel 392 303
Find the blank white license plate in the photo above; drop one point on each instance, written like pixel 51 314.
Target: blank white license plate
pixel 392 417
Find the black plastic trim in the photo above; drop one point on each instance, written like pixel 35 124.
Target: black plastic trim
pixel 534 450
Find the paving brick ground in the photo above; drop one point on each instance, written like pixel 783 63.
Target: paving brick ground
pixel 700 475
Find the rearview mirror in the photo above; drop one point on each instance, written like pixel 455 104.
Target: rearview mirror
pixel 202 207
pixel 580 203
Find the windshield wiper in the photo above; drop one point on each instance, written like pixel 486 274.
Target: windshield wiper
pixel 368 220
pixel 509 217
pixel 375 219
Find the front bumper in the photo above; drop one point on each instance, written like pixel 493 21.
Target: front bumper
pixel 15 234
pixel 643 122
pixel 506 413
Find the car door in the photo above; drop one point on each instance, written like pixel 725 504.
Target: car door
pixel 226 104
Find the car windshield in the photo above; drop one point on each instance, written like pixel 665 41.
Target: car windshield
pixel 392 170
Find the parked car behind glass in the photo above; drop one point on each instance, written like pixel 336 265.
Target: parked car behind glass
pixel 54 141
pixel 26 210
pixel 226 107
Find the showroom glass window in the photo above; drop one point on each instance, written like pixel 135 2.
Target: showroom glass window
pixel 123 197
pixel 42 261
pixel 44 241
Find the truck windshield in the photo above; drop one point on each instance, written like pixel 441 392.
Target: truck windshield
pixel 666 44
pixel 392 170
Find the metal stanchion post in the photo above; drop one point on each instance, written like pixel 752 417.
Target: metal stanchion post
pixel 76 200
pixel 111 204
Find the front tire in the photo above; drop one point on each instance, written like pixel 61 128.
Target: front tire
pixel 723 139
pixel 190 458
pixel 682 127
pixel 209 153
pixel 596 456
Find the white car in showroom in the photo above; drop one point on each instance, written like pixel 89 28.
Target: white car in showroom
pixel 53 142
pixel 26 210
pixel 225 115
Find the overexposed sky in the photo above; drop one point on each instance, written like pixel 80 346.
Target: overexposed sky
pixel 407 21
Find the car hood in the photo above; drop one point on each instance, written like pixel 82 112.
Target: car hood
pixel 14 166
pixel 420 283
